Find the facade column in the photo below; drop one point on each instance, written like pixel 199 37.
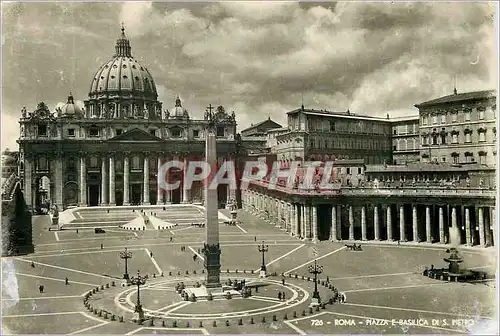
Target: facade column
pixel 493 227
pixel 314 224
pixel 376 225
pixel 104 182
pixel 468 235
pixel 168 193
pixel 306 221
pixel 333 231
pixel 83 181
pixel 454 225
pixel 159 191
pixel 363 223
pixel 428 230
pixel 185 190
pixel 441 226
pixel 28 183
pixel 389 223
pixel 416 238
pixel 351 223
pixel 294 225
pixel 145 182
pixel 126 172
pixel 480 216
pixel 112 200
pixel 402 229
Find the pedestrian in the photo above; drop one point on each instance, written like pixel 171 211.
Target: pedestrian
pixel 76 231
pixel 32 264
pixel 102 246
pixel 254 238
pixel 170 238
pixel 279 296
pixel 67 281
pixel 283 296
pixel 41 288
pixel 283 281
pixel 327 279
pixel 194 257
pixel 151 254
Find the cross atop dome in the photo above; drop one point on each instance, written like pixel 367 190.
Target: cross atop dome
pixel 122 47
pixel 70 98
pixel 178 101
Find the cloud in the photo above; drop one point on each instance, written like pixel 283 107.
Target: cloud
pixel 256 58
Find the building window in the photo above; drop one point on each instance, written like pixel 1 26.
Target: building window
pixel 196 133
pixel 94 132
pixel 455 157
pixel 443 159
pixel 425 140
pixel 152 132
pixel 434 138
pixel 482 135
pixel 443 119
pixel 348 171
pixel 175 132
pixel 467 115
pixel 454 117
pixel 395 131
pixel 71 166
pixel 468 138
pixel 425 120
pixel 42 130
pixel 434 119
pixel 42 163
pixel 332 126
pixel 119 131
pixel 94 162
pixel 220 131
pixel 480 112
pixel 454 138
pixel 469 157
pixel 443 137
pixel 71 132
pixel 482 157
pixel 360 170
pixel 136 162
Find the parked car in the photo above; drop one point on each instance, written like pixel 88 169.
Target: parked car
pixel 99 230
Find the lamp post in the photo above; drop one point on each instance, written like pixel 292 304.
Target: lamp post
pixel 138 307
pixel 126 255
pixel 263 249
pixel 316 269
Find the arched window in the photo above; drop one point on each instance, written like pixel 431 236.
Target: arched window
pixel 94 161
pixel 455 157
pixel 482 157
pixel 454 137
pixel 482 134
pixel 469 157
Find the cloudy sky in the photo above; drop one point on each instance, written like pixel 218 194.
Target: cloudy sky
pixel 258 59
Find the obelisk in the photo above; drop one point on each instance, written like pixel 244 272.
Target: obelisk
pixel 211 248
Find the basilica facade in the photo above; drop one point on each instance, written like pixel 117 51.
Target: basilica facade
pixel 110 151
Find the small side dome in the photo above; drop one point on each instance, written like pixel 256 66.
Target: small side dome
pixel 70 109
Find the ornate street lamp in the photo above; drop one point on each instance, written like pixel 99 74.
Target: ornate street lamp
pixel 126 255
pixel 138 281
pixel 316 269
pixel 263 249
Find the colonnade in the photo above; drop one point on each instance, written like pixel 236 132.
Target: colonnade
pixel 471 225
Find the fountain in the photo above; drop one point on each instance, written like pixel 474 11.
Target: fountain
pixel 454 272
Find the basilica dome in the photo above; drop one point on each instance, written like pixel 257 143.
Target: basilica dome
pixel 123 75
pixel 70 109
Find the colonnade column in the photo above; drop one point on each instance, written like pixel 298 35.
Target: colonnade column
pixel 294 229
pixel 159 178
pixel 493 225
pixel 389 223
pixel 59 180
pixel 454 224
pixel 376 225
pixel 28 183
pixel 104 182
pixel 314 224
pixel 306 221
pixel 185 190
pixel 83 181
pixel 168 193
pixel 428 232
pixel 363 223
pixel 468 235
pixel 145 182
pixel 126 172
pixel 441 226
pixel 112 180
pixel 351 223
pixel 402 229
pixel 480 215
pixel 333 231
pixel 416 238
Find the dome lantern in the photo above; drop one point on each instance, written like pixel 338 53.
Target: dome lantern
pixel 122 47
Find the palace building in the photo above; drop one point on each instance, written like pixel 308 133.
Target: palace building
pixel 109 152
